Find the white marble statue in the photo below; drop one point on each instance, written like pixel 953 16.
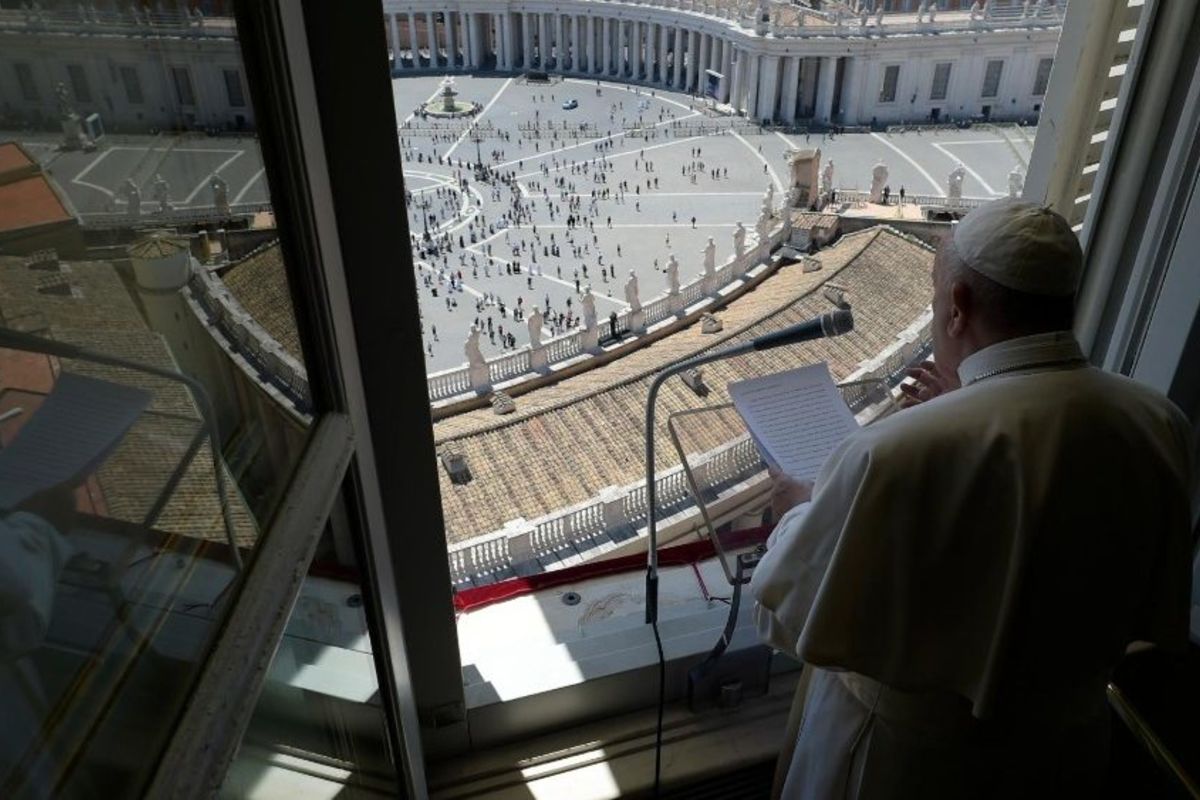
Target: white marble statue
pixel 474 354
pixel 932 8
pixel 673 274
pixel 220 193
pixel 954 181
pixel 864 17
pixel 879 16
pixel 1016 182
pixel 920 13
pixel 879 179
pixel 977 9
pixel 162 193
pixel 535 328
pixel 739 240
pixel 768 203
pixel 631 292
pixel 589 308
pixel 710 257
pixel 827 178
pixel 133 197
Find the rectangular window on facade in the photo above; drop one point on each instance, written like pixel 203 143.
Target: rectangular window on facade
pixel 233 87
pixel 941 81
pixel 133 85
pixel 183 86
pixel 79 83
pixel 991 78
pixel 1043 76
pixel 891 77
pixel 25 78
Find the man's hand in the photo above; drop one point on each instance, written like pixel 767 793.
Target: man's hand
pixel 787 492
pixel 929 382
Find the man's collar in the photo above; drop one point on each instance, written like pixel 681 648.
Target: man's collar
pixel 1024 352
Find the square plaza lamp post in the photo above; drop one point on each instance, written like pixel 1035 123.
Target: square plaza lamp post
pixel 480 171
pixel 424 204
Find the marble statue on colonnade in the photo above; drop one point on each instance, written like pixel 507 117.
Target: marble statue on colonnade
pixel 672 275
pixel 162 193
pixel 589 307
pixel 739 240
pixel 591 334
pixel 535 328
pixel 477 368
pixel 1016 181
pixel 827 179
pixel 220 193
pixel 133 197
pixel 954 181
pixel 631 292
pixel 710 257
pixel 879 179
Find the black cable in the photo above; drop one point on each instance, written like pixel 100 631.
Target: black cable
pixel 662 698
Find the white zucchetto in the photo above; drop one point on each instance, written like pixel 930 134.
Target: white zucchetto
pixel 1023 246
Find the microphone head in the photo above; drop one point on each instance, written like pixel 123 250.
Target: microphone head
pixel 835 323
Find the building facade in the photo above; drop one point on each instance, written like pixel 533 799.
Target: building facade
pixel 770 61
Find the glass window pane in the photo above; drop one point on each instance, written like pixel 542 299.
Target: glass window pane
pixel 991 78
pixel 1043 76
pixel 891 76
pixel 150 428
pixel 941 80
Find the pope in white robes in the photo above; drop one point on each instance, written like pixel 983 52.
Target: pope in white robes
pixel 969 570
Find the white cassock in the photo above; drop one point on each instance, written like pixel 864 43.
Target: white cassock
pixel 968 573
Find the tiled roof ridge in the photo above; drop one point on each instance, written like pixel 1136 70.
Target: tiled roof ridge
pixel 254 253
pixel 867 234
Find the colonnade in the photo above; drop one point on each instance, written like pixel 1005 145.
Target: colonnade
pixel 670 56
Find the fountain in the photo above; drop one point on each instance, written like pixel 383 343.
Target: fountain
pixel 447 104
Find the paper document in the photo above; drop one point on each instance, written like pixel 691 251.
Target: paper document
pixel 797 418
pixel 76 427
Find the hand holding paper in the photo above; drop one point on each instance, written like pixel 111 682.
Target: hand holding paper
pixel 797 418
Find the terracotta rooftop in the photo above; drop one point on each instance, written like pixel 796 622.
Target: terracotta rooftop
pixel 99 314
pixel 28 202
pixel 157 245
pixel 259 283
pixel 13 157
pixel 811 219
pixel 568 441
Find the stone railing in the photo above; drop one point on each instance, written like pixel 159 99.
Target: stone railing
pixel 110 22
pixel 151 218
pixel 857 196
pixel 788 20
pixel 272 367
pixel 456 382
pixel 595 526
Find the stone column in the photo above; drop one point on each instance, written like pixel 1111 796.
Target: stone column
pixel 451 44
pixel 526 40
pixel 791 86
pixel 622 36
pixel 635 49
pixel 734 84
pixel 605 46
pixel 394 29
pixel 678 57
pixel 768 88
pixel 848 113
pixel 752 85
pixel 825 80
pixel 664 43
pixel 412 39
pixel 560 41
pixel 576 46
pixel 693 62
pixel 510 41
pixel 435 50
pixel 589 47
pixel 543 41
pixel 726 69
pixel 705 53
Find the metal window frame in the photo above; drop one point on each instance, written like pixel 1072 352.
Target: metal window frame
pixel 337 223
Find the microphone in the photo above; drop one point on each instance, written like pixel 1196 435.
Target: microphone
pixel 835 323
